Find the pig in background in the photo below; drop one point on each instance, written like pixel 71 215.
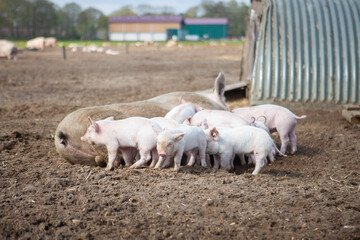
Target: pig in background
pixel 225 143
pixel 126 135
pixel 74 125
pixel 8 49
pixel 50 42
pixel 278 119
pixel 36 43
pixel 181 112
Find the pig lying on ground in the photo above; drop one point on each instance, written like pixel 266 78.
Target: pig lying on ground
pixel 181 112
pixel 8 49
pixel 74 125
pixel 36 43
pixel 126 134
pixel 50 42
pixel 224 143
pixel 173 143
pixel 278 119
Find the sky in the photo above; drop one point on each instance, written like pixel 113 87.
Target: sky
pixel 108 6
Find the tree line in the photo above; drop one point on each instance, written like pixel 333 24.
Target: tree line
pixel 23 19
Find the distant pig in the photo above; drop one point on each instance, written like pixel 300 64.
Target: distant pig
pixel 126 134
pixel 8 49
pixel 225 143
pixel 278 119
pixel 182 111
pixel 50 42
pixel 173 143
pixel 36 43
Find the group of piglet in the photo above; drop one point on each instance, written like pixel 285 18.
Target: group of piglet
pixel 197 133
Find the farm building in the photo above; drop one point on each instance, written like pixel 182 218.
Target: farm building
pixel 205 28
pixel 143 28
pixel 163 28
pixel 303 51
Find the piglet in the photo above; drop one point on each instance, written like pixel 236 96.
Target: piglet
pixel 126 134
pixel 182 111
pixel 220 118
pixel 173 143
pixel 278 119
pixel 225 143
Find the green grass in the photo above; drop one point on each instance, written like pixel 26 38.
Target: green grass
pixel 22 43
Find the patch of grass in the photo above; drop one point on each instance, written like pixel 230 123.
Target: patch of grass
pixel 66 43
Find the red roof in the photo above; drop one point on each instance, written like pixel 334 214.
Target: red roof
pixel 206 21
pixel 145 19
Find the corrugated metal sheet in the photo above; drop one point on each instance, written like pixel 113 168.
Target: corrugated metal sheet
pixel 308 50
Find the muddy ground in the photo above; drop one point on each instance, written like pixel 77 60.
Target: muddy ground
pixel 313 194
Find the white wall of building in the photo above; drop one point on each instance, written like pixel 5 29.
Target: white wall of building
pixel 141 36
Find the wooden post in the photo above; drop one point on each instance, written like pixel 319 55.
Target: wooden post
pixel 126 49
pixel 64 52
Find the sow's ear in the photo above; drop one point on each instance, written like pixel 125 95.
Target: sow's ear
pixel 178 137
pixel 214 133
pixel 94 124
pixel 220 84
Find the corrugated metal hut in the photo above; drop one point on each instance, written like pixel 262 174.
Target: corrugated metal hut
pixel 143 28
pixel 306 50
pixel 205 28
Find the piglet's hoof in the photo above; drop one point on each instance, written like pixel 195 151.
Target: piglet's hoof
pixel 108 168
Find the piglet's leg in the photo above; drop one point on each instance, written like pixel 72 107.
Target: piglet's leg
pixel 177 160
pixel 259 162
pixel 226 161
pixel 293 141
pixel 284 137
pixel 216 161
pixel 145 156
pixel 112 151
pixel 154 158
pixel 192 158
pixel 128 155
pixel 160 162
pixel 242 159
pixel 202 153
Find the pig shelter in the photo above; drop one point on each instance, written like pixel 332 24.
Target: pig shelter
pixel 303 51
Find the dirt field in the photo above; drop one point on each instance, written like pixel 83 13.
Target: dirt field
pixel 313 194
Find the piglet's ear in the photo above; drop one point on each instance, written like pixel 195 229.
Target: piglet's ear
pixel 94 124
pixel 157 129
pixel 182 101
pixel 214 133
pixel 90 120
pixel 178 137
pixel 187 121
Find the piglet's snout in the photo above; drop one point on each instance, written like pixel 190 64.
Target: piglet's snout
pixel 82 139
pixel 162 154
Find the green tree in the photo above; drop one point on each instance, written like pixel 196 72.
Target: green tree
pixel 88 23
pixel 70 20
pixel 124 11
pixel 192 12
